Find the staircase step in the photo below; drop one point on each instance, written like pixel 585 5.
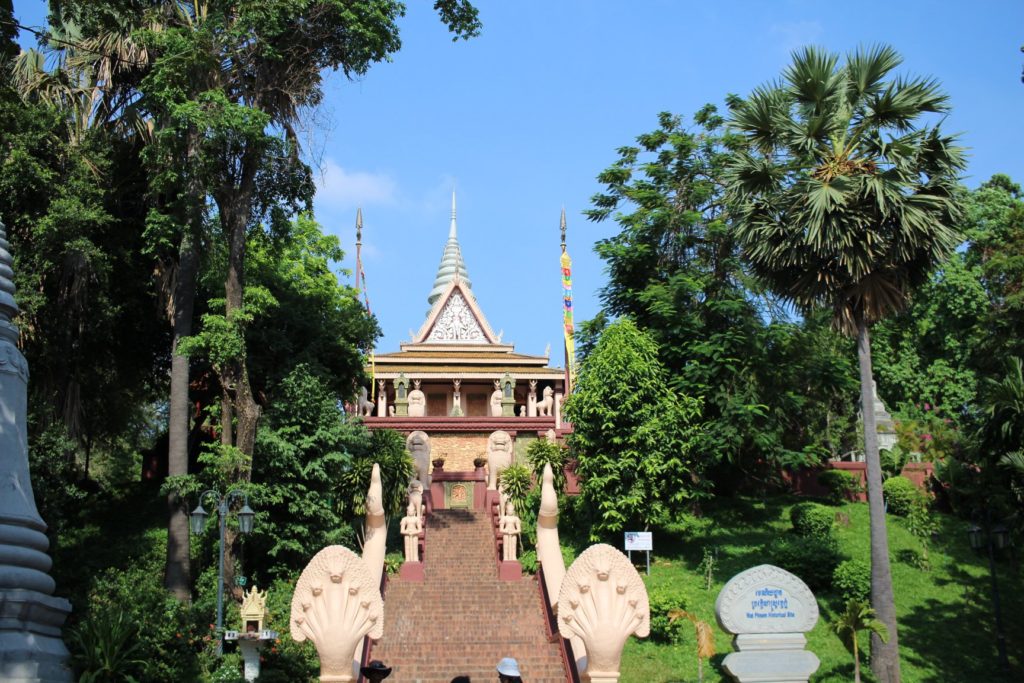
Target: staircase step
pixel 460 621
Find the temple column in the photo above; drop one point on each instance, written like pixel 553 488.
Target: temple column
pixel 508 396
pixel 456 398
pixel 382 399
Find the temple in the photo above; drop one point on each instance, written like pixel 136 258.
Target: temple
pixel 456 383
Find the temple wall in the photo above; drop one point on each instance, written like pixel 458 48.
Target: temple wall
pixel 458 450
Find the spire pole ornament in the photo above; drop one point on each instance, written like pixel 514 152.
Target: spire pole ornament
pixel 451 229
pixel 30 616
pixel 359 226
pixel 562 227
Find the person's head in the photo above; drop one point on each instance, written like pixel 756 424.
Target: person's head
pixel 375 671
pixel 508 671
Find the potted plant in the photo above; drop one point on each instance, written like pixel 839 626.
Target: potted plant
pixel 479 463
pixel 438 463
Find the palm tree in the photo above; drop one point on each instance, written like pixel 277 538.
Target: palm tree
pixel 844 197
pixel 856 618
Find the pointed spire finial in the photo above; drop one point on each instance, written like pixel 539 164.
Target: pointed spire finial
pixel 451 230
pixel 359 225
pixel 562 226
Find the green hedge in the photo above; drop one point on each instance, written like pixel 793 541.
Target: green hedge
pixel 812 519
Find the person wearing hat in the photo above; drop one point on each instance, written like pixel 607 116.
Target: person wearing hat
pixel 508 671
pixel 375 671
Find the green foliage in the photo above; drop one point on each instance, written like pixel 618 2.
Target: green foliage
pixel 844 198
pixel 812 519
pixel 633 436
pixel 893 460
pixel 900 495
pixel 812 558
pixel 857 617
pixel 386 448
pixel 516 481
pixel 707 566
pixel 542 452
pixel 105 647
pixel 775 392
pixel 852 580
pixel 842 485
pixel 664 600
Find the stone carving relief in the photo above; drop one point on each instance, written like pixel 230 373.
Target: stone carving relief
pixel 336 603
pixel 456 322
pixel 499 456
pixel 417 401
pixel 602 602
pixel 418 445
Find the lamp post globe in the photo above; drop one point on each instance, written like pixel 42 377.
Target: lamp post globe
pixel 246 516
pixel 197 520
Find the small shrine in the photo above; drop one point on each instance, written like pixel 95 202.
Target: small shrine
pixel 455 383
pixel 254 610
pixel 254 635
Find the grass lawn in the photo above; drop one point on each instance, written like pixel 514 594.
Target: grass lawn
pixel 946 624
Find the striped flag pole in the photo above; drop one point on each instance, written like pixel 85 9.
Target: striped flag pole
pixel 361 285
pixel 567 316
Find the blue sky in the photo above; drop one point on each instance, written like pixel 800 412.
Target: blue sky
pixel 520 121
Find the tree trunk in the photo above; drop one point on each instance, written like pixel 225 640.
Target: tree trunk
pixel 856 660
pixel 235 206
pixel 177 576
pixel 885 659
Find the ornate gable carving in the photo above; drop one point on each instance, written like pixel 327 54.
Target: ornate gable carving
pixel 456 322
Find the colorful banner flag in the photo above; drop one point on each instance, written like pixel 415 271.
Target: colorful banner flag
pixel 570 341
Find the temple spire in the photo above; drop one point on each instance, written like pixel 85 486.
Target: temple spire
pixel 452 266
pixel 451 230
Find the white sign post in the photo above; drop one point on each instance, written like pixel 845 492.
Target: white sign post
pixel 640 540
pixel 768 610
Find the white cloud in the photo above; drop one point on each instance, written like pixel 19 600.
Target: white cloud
pixel 338 188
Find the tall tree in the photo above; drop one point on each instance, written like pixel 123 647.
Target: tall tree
pixel 845 199
pixel 634 437
pixel 674 267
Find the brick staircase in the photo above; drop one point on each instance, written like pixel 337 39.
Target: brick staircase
pixel 461 620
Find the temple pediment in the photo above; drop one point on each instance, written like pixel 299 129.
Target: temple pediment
pixel 456 319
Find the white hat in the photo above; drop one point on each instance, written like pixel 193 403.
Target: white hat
pixel 509 667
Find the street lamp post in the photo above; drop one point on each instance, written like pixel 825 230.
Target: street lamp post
pixel 992 537
pixel 197 521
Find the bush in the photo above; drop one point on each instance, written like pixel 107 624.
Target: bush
pixel 516 481
pixel 663 600
pixel 542 452
pixel 852 580
pixel 812 519
pixel 842 485
pixel 812 558
pixel 900 495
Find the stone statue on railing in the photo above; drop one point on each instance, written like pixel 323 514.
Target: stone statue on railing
pixel 496 397
pixel 417 401
pixel 603 601
pixel 365 404
pixel 416 496
pixel 546 406
pixel 499 456
pixel 411 526
pixel 336 603
pixel 510 527
pixel 418 445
